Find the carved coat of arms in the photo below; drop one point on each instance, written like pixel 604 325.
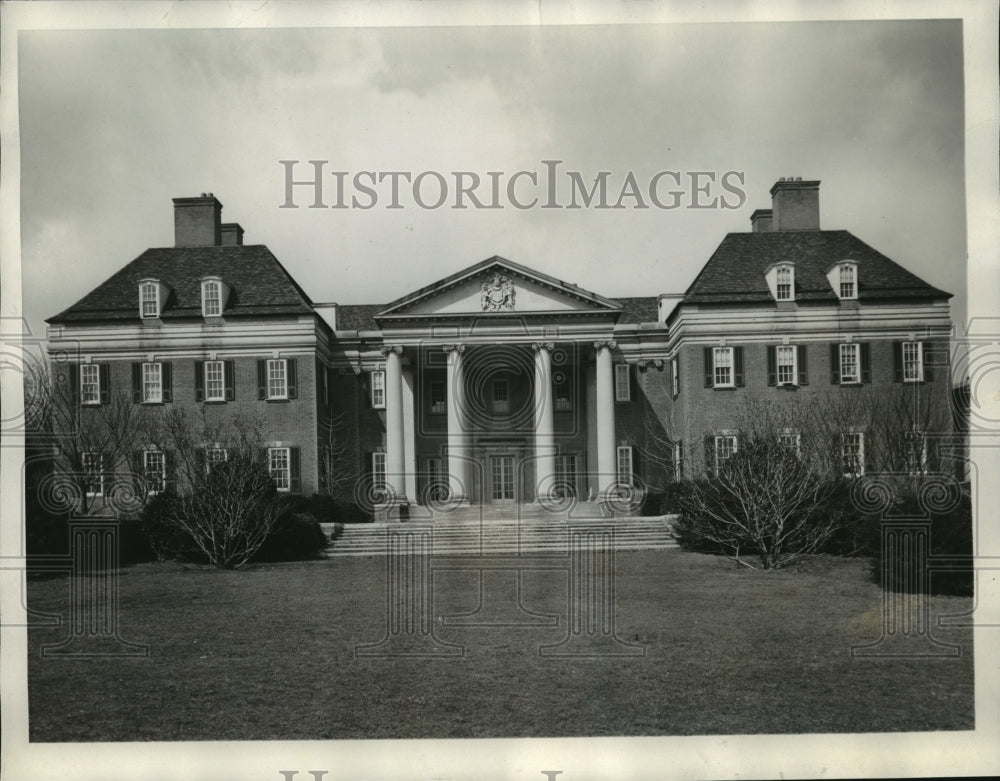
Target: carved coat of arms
pixel 498 294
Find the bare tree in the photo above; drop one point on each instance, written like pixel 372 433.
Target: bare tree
pixel 337 468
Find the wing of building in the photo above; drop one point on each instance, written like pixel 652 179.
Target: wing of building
pixel 501 384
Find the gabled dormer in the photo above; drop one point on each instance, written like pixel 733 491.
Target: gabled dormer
pixel 152 297
pixel 781 280
pixel 214 296
pixel 843 278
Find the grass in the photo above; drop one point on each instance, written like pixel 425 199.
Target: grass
pixel 268 653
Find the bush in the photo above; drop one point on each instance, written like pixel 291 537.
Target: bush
pixel 652 502
pixel 327 509
pixel 295 537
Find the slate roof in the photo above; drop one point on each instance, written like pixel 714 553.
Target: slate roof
pixel 358 317
pixel 638 310
pixel 735 272
pixel 259 285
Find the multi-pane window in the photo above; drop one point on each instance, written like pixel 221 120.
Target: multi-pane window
pixel 277 378
pixel 378 389
pixel 678 460
pixel 215 381
pixel 913 362
pixel 848 281
pixel 154 469
pixel 90 383
pixel 852 453
pixel 786 363
pixel 152 382
pixel 784 286
pixel 623 386
pixel 439 398
pixel 849 363
pixel 378 472
pixel 915 452
pixel 215 455
pixel 791 441
pixel 722 363
pixel 675 379
pixel 624 461
pixel 566 475
pixel 93 473
pixel 725 446
pixel 211 298
pixel 279 463
pixel 149 298
pixel 501 397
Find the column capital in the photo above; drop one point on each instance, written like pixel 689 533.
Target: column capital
pixel 536 346
pixel 611 344
pixel 391 348
pixel 456 348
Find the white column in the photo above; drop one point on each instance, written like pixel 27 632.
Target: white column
pixel 455 394
pixel 395 447
pixel 606 467
pixel 544 426
pixel 409 438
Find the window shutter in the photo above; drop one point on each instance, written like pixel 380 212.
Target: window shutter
pixel 676 379
pixel 709 373
pixel 933 456
pixel 199 380
pixel 835 364
pixel 136 383
pixel 74 383
pixel 200 462
pixel 104 374
pixel 167 380
pixel 230 379
pixel 927 357
pixel 262 379
pixel 295 472
pixel 803 361
pixel 897 361
pixel 170 463
pixel 710 454
pixel 291 379
pixel 772 365
pixel 866 362
pixel 738 367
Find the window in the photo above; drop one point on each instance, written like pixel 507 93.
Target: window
pixel 722 362
pixel 378 389
pixel 378 472
pixel 624 461
pixel 149 299
pixel 279 463
pixel 152 383
pixel 501 397
pixel 215 455
pixel 915 452
pixel 277 379
pixel 725 446
pixel 849 363
pixel 913 362
pixel 784 286
pixel 675 378
pixel 439 399
pixel 787 368
pixel 215 381
pixel 848 281
pixel 93 473
pixel 791 441
pixel 154 469
pixel 852 453
pixel 565 475
pixel 211 298
pixel 90 384
pixel 678 460
pixel 623 385
pixel 562 392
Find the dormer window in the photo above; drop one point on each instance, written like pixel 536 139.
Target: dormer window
pixel 783 290
pixel 214 293
pixel 848 281
pixel 152 294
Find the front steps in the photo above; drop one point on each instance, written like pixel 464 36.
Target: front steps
pixel 486 531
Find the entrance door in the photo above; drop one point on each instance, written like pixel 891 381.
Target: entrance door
pixel 502 479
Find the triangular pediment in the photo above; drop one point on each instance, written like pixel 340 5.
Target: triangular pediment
pixel 497 286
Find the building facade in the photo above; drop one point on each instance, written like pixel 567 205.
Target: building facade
pixel 500 384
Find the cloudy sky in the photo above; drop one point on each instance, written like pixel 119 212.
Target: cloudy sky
pixel 116 123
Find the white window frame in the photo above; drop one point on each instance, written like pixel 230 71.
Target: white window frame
pixel 152 380
pixel 93 471
pixel 623 382
pixel 379 476
pixel 378 389
pixel 277 378
pixel 215 455
pixel 566 472
pixel 791 441
pixel 144 289
pixel 209 367
pixel 161 474
pixel 918 465
pixel 90 376
pixel 211 298
pixel 279 465
pixel 842 352
pixel 500 406
pixel 849 457
pixel 847 281
pixel 918 364
pixel 792 368
pixel 675 380
pixel 723 358
pixel 624 465
pixel 720 441
pixel 784 283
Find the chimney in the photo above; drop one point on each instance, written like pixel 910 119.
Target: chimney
pixel 760 221
pixel 197 221
pixel 232 234
pixel 795 204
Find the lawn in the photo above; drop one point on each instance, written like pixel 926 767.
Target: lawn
pixel 268 653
